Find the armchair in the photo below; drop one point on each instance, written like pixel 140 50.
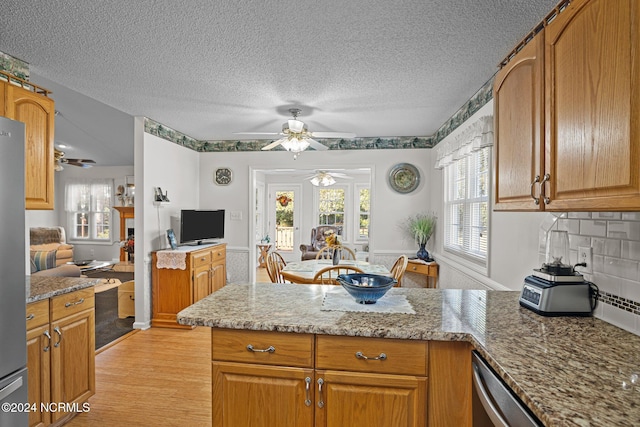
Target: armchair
pixel 46 239
pixel 317 241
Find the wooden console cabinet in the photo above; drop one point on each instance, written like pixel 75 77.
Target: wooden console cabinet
pixel 269 378
pixel 60 354
pixel 175 289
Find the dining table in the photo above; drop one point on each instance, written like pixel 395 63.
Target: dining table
pixel 304 271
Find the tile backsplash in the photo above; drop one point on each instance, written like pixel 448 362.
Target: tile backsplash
pixel 615 241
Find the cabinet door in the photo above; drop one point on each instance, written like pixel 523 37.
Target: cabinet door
pixel 201 281
pixel 593 113
pixel 218 275
pixel 519 112
pixel 73 359
pixel 37 112
pixel 38 366
pixel 246 395
pixel 372 400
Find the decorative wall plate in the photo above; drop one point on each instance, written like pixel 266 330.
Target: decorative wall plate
pixel 404 177
pixel 223 176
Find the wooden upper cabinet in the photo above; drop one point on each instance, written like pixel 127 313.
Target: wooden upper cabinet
pixel 592 115
pixel 37 112
pixel 519 131
pixel 585 150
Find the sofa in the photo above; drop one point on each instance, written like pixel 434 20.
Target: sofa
pixel 317 241
pixel 48 239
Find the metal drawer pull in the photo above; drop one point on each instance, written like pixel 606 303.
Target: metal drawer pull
pixel 48 335
pixel 546 178
pixel 31 316
pixel 536 200
pixel 307 389
pixel 59 332
pixel 69 304
pixel 381 356
pixel 320 400
pixel 270 349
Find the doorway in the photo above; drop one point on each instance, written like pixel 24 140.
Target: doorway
pixel 284 219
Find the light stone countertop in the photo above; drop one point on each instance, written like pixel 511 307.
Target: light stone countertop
pixel 566 369
pixel 39 288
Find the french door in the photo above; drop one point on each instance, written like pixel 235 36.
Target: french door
pixel 284 219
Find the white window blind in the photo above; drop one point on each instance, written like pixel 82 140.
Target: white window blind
pixel 466 161
pixel 88 205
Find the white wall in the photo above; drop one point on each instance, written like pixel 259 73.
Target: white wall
pixel 158 163
pixel 388 207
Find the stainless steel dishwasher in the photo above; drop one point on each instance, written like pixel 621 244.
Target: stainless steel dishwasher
pixel 501 406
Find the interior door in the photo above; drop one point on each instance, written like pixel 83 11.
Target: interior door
pixel 284 219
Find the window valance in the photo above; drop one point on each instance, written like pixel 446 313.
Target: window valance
pixel 477 135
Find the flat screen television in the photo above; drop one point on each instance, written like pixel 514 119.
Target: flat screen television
pixel 196 226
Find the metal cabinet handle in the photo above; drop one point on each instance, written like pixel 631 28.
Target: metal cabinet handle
pixel 546 178
pixel 48 335
pixel 536 200
pixel 59 332
pixel 270 349
pixel 307 391
pixel 381 356
pixel 69 304
pixel 320 400
pixel 31 316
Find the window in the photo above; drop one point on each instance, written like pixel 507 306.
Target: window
pixel 363 202
pixel 331 206
pixel 88 206
pixel 466 206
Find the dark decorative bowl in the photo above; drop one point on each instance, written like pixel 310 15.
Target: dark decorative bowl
pixel 366 288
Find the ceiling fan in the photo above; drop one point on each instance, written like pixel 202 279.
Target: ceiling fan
pixel 58 157
pixel 297 138
pixel 325 178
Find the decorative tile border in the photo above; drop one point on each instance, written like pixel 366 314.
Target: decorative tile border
pixel 619 302
pixel 477 101
pixel 14 66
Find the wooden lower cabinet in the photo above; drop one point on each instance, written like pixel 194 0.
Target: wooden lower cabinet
pixel 261 396
pixel 175 289
pixel 287 379
pixel 60 355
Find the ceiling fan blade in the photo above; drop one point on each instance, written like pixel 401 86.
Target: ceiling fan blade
pixel 316 145
pixel 274 144
pixel 342 135
pixel 83 163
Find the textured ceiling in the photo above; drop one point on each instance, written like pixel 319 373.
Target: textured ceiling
pixel 212 68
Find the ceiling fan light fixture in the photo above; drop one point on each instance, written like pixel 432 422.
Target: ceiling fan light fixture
pixel 322 180
pixel 295 145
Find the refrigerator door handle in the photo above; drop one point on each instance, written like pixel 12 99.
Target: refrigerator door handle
pixel 13 386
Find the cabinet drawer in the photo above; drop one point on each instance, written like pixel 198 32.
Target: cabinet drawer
pixel 289 349
pixel 420 268
pixel 218 253
pixel 201 258
pixel 37 314
pixel 349 354
pixel 71 303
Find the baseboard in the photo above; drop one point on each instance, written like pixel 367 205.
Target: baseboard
pixel 141 325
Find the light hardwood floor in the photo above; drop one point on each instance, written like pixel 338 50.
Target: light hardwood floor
pixel 157 377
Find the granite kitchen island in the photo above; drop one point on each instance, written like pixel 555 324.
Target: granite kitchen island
pixel 567 370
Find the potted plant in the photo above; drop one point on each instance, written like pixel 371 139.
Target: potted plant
pixel 420 227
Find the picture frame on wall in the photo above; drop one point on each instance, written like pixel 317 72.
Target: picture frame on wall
pixel 172 239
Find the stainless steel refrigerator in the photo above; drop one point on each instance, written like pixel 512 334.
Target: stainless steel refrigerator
pixel 13 339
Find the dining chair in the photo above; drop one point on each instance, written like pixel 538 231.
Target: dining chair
pixel 275 264
pixel 329 275
pixel 399 267
pixel 345 252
